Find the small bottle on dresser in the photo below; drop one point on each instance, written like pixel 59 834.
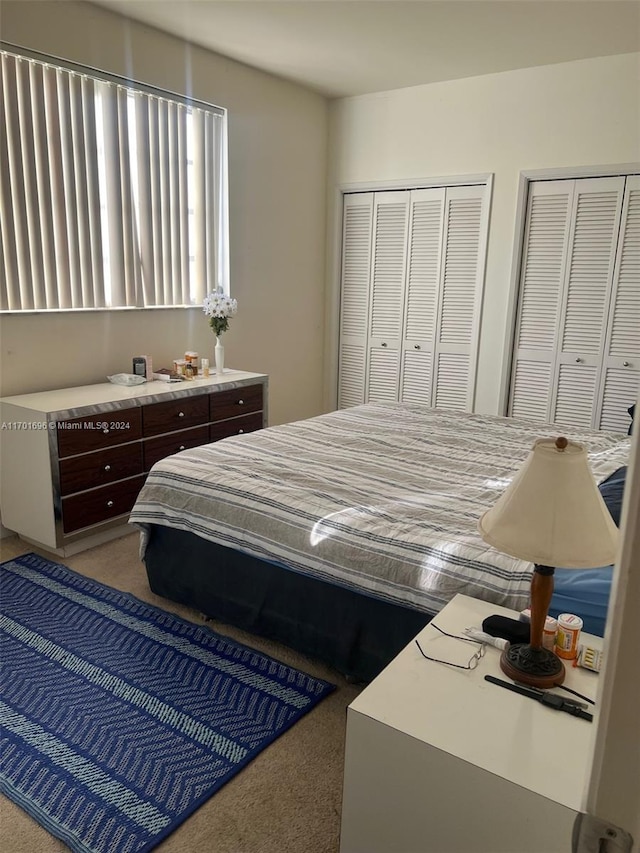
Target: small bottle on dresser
pixel 139 366
pixel 148 368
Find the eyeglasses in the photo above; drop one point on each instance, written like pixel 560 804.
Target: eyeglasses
pixel 474 660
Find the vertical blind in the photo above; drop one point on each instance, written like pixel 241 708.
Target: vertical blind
pixel 109 196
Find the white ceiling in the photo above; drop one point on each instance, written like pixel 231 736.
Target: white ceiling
pixel 351 48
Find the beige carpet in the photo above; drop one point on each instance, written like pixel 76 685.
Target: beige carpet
pixel 286 801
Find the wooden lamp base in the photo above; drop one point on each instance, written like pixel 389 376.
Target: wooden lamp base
pixel 532 666
pixel 530 663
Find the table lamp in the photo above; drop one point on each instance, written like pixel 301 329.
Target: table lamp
pixel 551 514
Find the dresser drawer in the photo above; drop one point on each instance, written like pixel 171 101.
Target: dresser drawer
pixel 176 414
pixel 228 404
pixel 235 426
pixel 100 468
pixel 94 432
pixel 166 445
pixel 101 504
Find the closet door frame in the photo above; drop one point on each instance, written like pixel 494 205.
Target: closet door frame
pixel 332 316
pixel 527 177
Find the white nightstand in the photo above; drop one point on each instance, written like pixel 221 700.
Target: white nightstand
pixel 437 759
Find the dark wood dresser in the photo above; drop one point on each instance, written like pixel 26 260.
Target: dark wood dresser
pixel 75 459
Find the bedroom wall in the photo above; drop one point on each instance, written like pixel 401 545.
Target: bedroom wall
pixel 573 114
pixel 277 175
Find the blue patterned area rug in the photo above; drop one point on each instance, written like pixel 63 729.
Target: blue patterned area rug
pixel 120 719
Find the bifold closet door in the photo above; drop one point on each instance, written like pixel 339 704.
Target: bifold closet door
pixel 374 254
pixel 463 257
pixel 445 275
pixel 422 301
pixel 593 239
pixel 412 279
pixel 354 297
pixel 386 306
pixel 546 239
pixel 620 381
pixel 570 249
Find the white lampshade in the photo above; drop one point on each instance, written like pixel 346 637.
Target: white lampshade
pixel 552 512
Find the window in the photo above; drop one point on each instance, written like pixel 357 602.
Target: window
pixel 111 195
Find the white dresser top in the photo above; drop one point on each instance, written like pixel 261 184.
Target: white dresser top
pixel 119 396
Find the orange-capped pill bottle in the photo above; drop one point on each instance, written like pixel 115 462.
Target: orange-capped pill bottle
pixel 569 628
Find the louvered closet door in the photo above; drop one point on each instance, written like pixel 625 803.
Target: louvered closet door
pixel 424 255
pixel 621 369
pixel 593 236
pixel 354 297
pixel 460 294
pixel 386 308
pixel 546 239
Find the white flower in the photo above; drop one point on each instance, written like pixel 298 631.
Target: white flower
pixel 219 307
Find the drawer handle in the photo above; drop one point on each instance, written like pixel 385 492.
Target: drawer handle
pixel 579 361
pixel 383 345
pixel 106 430
pixel 240 431
pixel 109 504
pixel 416 346
pixel 181 447
pixel 180 414
pixel 625 363
pixel 241 402
pixel 107 467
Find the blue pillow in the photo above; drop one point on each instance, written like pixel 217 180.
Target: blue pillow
pixel 584 592
pixel 612 490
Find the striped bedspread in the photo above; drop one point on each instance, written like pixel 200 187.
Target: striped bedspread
pixel 383 498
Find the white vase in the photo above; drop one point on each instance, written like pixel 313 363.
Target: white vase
pixel 219 354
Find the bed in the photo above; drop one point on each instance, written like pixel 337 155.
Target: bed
pixel 342 535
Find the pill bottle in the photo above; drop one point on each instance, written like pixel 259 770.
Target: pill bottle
pixel 191 358
pixel 204 366
pixel 179 365
pixel 549 633
pixel 188 370
pixel 569 627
